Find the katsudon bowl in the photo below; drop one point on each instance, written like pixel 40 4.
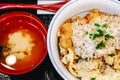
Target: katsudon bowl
pixel 70 10
pixel 22 42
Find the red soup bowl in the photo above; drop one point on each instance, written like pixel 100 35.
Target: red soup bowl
pixel 22 43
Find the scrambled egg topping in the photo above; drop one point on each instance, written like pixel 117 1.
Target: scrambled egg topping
pixel 90 46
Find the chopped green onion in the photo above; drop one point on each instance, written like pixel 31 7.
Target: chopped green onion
pixel 101 32
pixel 86 33
pixel 97 25
pixel 105 25
pixel 91 36
pixel 101 44
pixel 93 78
pixel 95 36
pixel 107 36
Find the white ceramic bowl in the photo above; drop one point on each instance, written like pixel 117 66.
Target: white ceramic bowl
pixel 69 10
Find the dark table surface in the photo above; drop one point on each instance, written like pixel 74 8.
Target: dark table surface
pixel 44 71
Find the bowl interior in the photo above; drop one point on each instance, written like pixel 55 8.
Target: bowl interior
pixel 16 21
pixel 72 8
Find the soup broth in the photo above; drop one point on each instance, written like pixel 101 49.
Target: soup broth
pixel 19 25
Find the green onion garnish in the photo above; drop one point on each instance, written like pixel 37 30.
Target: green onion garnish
pixel 91 36
pixel 97 25
pixel 101 44
pixel 105 25
pixel 86 33
pixel 107 36
pixel 95 36
pixel 101 32
pixel 93 78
